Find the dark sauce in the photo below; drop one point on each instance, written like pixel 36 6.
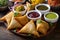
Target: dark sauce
pixel 33 14
pixel 42 7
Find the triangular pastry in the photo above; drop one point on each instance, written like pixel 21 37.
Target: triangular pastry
pixel 7 17
pixel 42 26
pixel 14 24
pixel 30 28
pixel 22 20
pixel 30 6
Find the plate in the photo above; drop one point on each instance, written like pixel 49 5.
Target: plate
pixel 51 28
pixel 28 35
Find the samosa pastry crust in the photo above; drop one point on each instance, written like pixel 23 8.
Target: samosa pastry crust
pixel 42 26
pixel 30 6
pixel 14 24
pixel 22 20
pixel 30 28
pixel 7 17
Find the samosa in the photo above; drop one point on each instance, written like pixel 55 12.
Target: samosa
pixel 30 29
pixel 42 26
pixel 30 6
pixel 7 17
pixel 22 20
pixel 14 24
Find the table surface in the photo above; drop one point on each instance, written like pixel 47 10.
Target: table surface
pixel 7 35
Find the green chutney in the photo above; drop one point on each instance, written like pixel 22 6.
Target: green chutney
pixel 51 16
pixel 42 7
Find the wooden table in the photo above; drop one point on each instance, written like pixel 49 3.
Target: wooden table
pixel 7 35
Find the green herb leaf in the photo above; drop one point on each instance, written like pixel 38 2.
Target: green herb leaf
pixel 14 30
pixel 51 24
pixel 15 14
pixel 3 2
pixel 29 34
pixel 39 21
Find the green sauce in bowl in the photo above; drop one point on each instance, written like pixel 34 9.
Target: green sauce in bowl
pixel 42 7
pixel 51 16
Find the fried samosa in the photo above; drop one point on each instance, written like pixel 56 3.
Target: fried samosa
pixel 30 6
pixel 30 29
pixel 7 17
pixel 22 20
pixel 42 26
pixel 14 24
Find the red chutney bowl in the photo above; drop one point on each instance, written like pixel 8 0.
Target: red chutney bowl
pixel 34 15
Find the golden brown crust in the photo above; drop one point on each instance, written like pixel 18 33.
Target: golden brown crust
pixel 22 20
pixel 14 24
pixel 42 27
pixel 7 17
pixel 30 28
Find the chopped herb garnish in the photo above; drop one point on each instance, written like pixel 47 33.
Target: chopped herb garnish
pixel 15 14
pixel 29 34
pixel 51 24
pixel 14 30
pixel 39 21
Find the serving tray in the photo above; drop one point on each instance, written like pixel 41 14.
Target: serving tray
pixel 51 28
pixel 49 31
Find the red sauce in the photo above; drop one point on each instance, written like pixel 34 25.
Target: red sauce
pixel 33 15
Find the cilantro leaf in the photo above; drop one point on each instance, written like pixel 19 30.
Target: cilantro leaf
pixel 51 24
pixel 39 21
pixel 15 14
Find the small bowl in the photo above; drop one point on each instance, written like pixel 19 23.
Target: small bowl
pixel 22 12
pixel 23 1
pixel 18 1
pixel 36 17
pixel 51 20
pixel 3 8
pixel 43 11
